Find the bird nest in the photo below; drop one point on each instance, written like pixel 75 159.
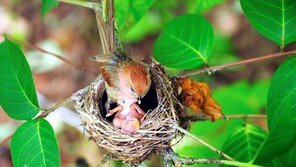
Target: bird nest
pixel 157 129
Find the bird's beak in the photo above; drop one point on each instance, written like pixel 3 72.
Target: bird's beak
pixel 139 100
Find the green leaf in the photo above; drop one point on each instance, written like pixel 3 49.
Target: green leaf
pixel 292 157
pixel 17 91
pixel 34 144
pixel 129 12
pixel 223 52
pixel 281 112
pixel 186 42
pixel 47 5
pixel 205 5
pixel 243 143
pixel 274 19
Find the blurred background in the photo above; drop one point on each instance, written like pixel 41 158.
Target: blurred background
pixel 71 31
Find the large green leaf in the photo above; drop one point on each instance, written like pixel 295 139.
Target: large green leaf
pixel 244 143
pixel 129 12
pixel 281 112
pixel 292 157
pixel 186 42
pixel 34 144
pixel 274 19
pixel 47 5
pixel 205 5
pixel 17 91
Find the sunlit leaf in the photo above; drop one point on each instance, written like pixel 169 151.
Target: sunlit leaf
pixel 274 19
pixel 244 143
pixel 34 144
pixel 129 12
pixel 47 5
pixel 281 112
pixel 205 5
pixel 186 42
pixel 292 157
pixel 17 91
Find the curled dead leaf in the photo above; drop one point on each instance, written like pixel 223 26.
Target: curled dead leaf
pixel 197 97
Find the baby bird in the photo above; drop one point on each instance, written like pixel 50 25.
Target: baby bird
pixel 128 120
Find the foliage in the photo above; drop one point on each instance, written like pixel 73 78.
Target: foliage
pixel 205 5
pixel 281 113
pixel 17 92
pixel 186 48
pixel 239 97
pixel 129 12
pixel 243 143
pixel 47 5
pixel 273 19
pixel 34 144
pixel 186 42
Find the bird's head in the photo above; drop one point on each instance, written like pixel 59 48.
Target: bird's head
pixel 140 81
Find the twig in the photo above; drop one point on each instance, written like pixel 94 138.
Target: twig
pixel 53 108
pixel 251 116
pixel 204 143
pixel 248 61
pixel 104 160
pixel 32 46
pixel 228 117
pixel 79 3
pixel 179 161
pixel 42 115
pixel 6 139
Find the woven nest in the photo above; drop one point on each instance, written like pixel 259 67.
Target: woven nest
pixel 157 130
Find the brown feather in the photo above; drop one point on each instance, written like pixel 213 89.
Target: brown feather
pixel 106 76
pixel 140 78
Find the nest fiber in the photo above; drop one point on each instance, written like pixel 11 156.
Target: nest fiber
pixel 157 128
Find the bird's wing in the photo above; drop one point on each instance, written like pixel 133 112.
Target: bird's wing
pixel 105 21
pixel 110 70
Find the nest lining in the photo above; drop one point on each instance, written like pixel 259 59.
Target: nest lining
pixel 157 129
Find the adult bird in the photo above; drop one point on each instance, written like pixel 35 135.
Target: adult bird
pixel 126 80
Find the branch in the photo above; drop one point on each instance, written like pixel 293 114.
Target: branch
pixel 34 47
pixel 228 117
pixel 248 61
pixel 179 161
pixel 251 116
pixel 6 139
pixel 79 3
pixel 53 108
pixel 205 144
pixel 106 158
pixel 42 115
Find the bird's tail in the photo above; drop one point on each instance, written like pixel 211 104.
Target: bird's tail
pixel 107 28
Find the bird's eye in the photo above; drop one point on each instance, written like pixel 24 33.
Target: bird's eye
pixel 132 89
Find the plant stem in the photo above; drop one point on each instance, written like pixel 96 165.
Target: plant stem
pixel 53 108
pixel 228 117
pixel 6 139
pixel 178 161
pixel 34 47
pixel 205 143
pixel 240 164
pixel 79 3
pixel 42 115
pixel 248 61
pixel 259 116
